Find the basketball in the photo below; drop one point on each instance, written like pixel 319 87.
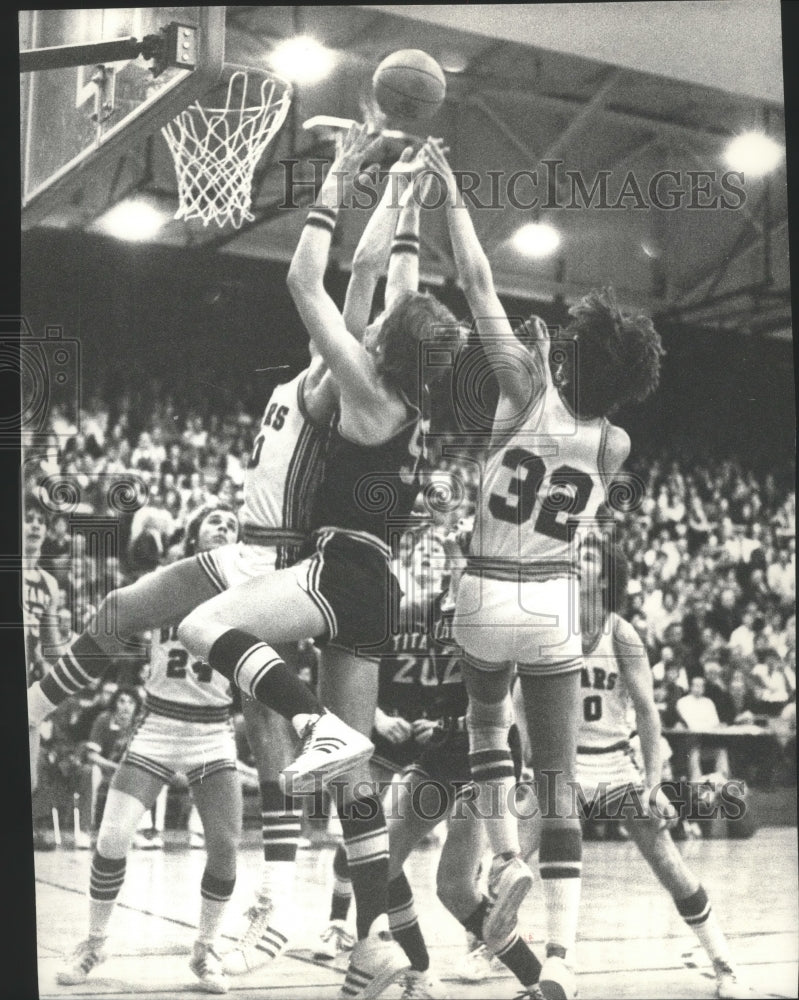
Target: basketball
pixel 409 85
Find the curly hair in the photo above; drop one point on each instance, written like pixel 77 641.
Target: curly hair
pixel 131 692
pixel 617 355
pixel 414 318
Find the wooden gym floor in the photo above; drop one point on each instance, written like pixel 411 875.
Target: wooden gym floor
pixel 632 942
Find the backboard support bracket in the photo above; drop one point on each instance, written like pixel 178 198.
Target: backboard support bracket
pixel 183 57
pixel 174 45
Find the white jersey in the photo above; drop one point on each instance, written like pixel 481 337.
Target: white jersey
pixel 182 687
pixel 283 471
pixel 538 487
pixel 607 718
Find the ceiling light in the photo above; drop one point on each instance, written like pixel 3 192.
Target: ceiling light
pixel 753 153
pixel 537 239
pixel 302 59
pixel 133 220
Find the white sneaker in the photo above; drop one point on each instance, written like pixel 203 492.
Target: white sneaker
pixel 728 986
pixel 479 964
pixel 423 986
pixel 207 967
pixel 330 747
pixel 260 944
pixel 509 881
pixel 556 980
pixel 375 963
pixel 333 940
pixel 87 956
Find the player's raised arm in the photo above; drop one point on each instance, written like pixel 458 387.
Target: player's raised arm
pixel 403 264
pixel 372 255
pixel 509 358
pixel 341 351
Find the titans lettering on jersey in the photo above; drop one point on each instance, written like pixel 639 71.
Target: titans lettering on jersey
pixel 182 687
pixel 283 473
pixel 538 487
pixel 420 675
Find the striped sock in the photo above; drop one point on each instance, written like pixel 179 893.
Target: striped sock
pixel 560 866
pixel 105 881
pixel 697 912
pixel 215 894
pixel 474 922
pixel 491 766
pixel 342 886
pixel 281 826
pixel 517 956
pixel 82 664
pixel 405 924
pixel 492 770
pixel 258 671
pixel 363 824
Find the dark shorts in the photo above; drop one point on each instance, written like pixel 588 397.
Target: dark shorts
pixel 394 757
pixel 447 763
pixel 348 576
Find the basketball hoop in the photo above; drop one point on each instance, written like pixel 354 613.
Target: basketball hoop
pixel 217 149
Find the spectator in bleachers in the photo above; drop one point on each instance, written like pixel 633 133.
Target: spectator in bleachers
pixel 96 700
pixel 716 690
pixel 107 742
pixel 697 712
pixel 781 578
pixel 774 684
pixel 742 638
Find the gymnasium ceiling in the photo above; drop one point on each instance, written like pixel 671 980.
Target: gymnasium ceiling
pixel 630 88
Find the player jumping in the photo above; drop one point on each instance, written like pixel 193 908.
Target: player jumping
pixel 550 452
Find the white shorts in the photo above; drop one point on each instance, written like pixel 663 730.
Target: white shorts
pixel 532 623
pixel 608 777
pixel 163 747
pixel 237 562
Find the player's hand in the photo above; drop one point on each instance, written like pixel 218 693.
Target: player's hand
pixel 392 728
pixel 433 153
pixel 357 149
pixel 424 730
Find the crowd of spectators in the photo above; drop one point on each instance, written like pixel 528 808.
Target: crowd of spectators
pixel 711 545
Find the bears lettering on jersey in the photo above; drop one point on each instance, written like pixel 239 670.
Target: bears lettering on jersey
pixel 598 678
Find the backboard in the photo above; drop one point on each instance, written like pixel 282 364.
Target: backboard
pixel 78 120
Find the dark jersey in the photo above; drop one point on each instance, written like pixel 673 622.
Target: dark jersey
pixel 366 486
pixel 420 673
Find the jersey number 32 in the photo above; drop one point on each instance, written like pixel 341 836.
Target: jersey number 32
pixel 567 495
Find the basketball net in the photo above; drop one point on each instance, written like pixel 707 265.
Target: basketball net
pixel 216 150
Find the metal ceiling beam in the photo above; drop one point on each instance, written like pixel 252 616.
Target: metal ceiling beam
pixel 479 102
pixel 508 88
pixel 744 242
pixel 595 105
pixel 464 86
